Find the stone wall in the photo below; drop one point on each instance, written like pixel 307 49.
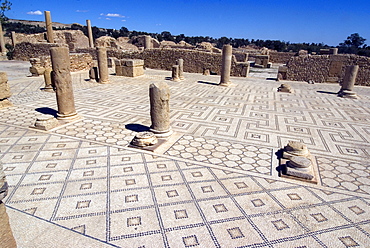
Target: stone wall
pixel 280 57
pixel 163 59
pixel 79 61
pixel 26 50
pixel 327 68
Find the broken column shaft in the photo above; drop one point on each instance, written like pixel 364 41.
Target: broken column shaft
pixel 102 65
pixel 349 82
pixel 2 41
pixel 63 83
pixel 226 65
pixel 159 94
pixel 180 63
pixel 49 27
pixel 90 35
pixel 147 42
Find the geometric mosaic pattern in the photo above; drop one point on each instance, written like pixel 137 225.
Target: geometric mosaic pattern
pixel 82 177
pixel 126 198
pixel 219 152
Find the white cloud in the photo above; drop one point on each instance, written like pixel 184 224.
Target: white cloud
pixel 108 19
pixel 37 12
pixel 112 15
pixel 123 20
pixel 82 11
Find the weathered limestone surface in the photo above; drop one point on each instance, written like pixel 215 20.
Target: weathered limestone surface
pixel 129 67
pixel 324 68
pixel 285 88
pixel 48 80
pixel 103 65
pixel 180 63
pixel 14 38
pixel 49 27
pixel 46 122
pixel 349 82
pixel 2 41
pixel 147 42
pixel 63 83
pixel 226 65
pixel 159 94
pixel 175 73
pixel 4 86
pixel 143 139
pixel 89 32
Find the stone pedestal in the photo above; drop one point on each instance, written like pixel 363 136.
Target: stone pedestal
pixel 130 67
pixel 48 80
pixel 285 88
pixel 6 236
pixel 144 139
pixel 63 83
pixel 147 42
pixel 282 73
pixel 89 33
pixel 333 51
pixel 14 39
pixel 226 65
pixel 180 63
pixel 159 94
pixel 4 91
pixel 49 27
pixel 349 82
pixel 175 73
pixel 103 65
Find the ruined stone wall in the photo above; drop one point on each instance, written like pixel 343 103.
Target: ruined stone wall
pixel 327 68
pixel 163 59
pixel 280 57
pixel 25 50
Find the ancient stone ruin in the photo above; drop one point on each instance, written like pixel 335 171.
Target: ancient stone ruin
pixel 4 91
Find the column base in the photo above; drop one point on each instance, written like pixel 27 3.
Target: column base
pixel 347 94
pixel 162 134
pixel 226 84
pixel 69 117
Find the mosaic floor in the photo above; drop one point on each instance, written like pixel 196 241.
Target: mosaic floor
pixel 215 186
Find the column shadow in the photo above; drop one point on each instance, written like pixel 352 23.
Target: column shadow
pixel 47 111
pixel 136 127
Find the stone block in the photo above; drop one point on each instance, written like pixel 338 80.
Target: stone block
pixel 132 71
pixel 37 71
pixel 46 122
pixel 4 90
pixel 133 62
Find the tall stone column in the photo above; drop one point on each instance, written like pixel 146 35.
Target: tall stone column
pixel 2 41
pixel 147 42
pixel 159 94
pixel 89 32
pixel 180 63
pixel 62 81
pixel 102 65
pixel 14 38
pixel 349 82
pixel 226 65
pixel 49 27
pixel 6 235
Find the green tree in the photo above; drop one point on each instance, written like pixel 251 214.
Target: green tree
pixel 4 6
pixel 354 40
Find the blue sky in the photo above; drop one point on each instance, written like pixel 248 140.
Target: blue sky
pixel 296 21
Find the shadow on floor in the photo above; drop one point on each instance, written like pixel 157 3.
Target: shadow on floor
pixel 203 82
pixel 327 92
pixel 136 127
pixel 273 79
pixel 47 111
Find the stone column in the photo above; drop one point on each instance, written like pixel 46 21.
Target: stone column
pixel 47 79
pixel 333 51
pixel 102 65
pixel 14 39
pixel 89 32
pixel 49 27
pixel 349 82
pixel 159 94
pixel 226 65
pixel 63 83
pixel 180 63
pixel 147 42
pixel 175 73
pixel 2 41
pixel 6 235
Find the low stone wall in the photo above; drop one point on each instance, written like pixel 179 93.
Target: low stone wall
pixel 280 57
pixel 25 50
pixel 327 68
pixel 194 61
